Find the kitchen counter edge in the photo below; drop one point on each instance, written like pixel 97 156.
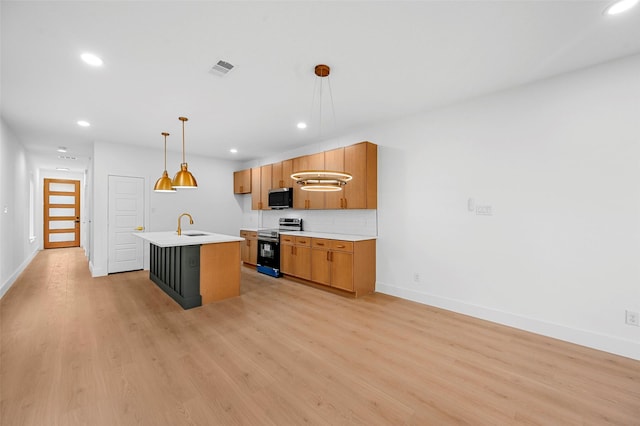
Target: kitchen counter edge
pixel 172 239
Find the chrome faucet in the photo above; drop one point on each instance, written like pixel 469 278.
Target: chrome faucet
pixel 180 217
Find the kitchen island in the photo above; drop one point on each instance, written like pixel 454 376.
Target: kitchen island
pixel 194 268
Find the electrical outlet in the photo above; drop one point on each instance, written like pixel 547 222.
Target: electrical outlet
pixel 416 277
pixel 484 211
pixel 632 318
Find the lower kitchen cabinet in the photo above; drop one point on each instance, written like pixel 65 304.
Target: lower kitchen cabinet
pixel 249 247
pixel 295 256
pixel 344 265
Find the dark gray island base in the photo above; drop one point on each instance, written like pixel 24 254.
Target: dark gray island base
pixel 176 270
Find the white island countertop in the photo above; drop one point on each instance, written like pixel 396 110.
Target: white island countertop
pixel 189 237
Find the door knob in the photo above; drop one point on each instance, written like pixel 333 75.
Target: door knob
pixel 140 228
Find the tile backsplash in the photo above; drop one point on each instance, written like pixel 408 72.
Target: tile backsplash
pixel 354 222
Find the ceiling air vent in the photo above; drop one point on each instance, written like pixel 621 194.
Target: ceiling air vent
pixel 222 68
pixel 66 157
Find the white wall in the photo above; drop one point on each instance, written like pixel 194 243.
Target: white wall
pixel 213 205
pixel 16 248
pixel 559 163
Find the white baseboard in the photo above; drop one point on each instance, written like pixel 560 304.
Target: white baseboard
pixel 614 345
pixel 12 279
pixel 96 272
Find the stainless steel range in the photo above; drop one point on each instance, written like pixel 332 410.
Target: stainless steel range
pixel 269 245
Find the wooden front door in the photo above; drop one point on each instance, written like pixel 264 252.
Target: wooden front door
pixel 61 213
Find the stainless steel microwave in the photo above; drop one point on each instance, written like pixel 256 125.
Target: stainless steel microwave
pixel 281 198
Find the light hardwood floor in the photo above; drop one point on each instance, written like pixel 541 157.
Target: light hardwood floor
pixel 117 351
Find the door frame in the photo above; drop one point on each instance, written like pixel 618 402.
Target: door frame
pixel 76 218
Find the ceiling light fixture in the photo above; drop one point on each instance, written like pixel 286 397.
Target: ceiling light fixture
pixel 83 123
pixel 321 180
pixel 62 169
pixel 164 183
pixel 233 151
pixel 184 179
pixel 62 149
pixel 620 7
pixel 302 125
pixel 91 59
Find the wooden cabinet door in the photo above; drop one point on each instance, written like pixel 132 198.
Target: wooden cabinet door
pixel 342 270
pixel 355 191
pixel 242 182
pixel 244 252
pixel 287 169
pixel 308 199
pixel 287 259
pixel 303 262
pixel 320 266
pixel 276 176
pixel 334 161
pixel 255 189
pixel 265 186
pixel 253 250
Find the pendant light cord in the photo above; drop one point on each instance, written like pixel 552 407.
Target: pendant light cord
pixel 183 141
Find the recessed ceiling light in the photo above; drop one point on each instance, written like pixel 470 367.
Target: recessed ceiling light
pixel 302 125
pixel 91 59
pixel 62 169
pixel 83 123
pixel 233 151
pixel 620 7
pixel 62 149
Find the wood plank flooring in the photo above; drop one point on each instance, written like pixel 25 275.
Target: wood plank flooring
pixel 116 350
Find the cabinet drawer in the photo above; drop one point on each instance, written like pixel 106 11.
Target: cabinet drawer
pixel 287 239
pixel 320 243
pixel 340 245
pixel 303 241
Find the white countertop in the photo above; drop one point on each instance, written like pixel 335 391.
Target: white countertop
pixel 172 239
pixel 343 237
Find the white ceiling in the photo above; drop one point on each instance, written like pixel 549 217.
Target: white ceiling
pixel 388 59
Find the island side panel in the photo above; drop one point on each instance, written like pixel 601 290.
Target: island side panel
pixel 176 270
pixel 219 271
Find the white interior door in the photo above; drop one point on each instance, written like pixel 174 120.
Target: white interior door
pixel 126 216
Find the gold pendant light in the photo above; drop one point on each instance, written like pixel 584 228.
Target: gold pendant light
pixel 321 180
pixel 164 183
pixel 184 179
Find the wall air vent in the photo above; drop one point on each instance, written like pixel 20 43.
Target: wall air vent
pixel 222 68
pixel 66 157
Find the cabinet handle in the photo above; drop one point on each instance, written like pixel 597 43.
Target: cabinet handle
pixel 340 246
pixel 320 244
pixel 248 243
pixel 328 256
pixel 281 184
pixel 345 203
pixel 303 241
pixel 341 203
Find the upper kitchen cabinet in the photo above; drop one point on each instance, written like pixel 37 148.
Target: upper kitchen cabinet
pixel 308 199
pixel 361 162
pixel 242 182
pixel 260 185
pixel 281 174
